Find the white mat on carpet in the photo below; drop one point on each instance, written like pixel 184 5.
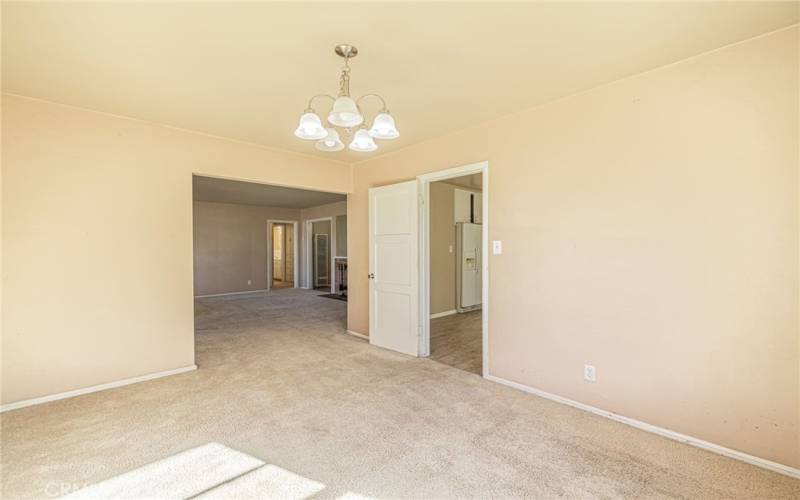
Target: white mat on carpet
pixel 176 477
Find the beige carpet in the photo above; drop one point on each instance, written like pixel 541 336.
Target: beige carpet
pixel 279 381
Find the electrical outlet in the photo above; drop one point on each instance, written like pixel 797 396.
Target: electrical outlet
pixel 450 248
pixel 249 282
pixel 589 373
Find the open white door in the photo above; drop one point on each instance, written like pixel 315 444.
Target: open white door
pixel 393 268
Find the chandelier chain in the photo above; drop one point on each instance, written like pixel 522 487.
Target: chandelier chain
pixel 344 80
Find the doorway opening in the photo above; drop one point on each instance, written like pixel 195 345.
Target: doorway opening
pixel 401 266
pixel 250 260
pixel 454 268
pixel 282 252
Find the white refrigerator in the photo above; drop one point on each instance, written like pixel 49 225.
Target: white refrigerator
pixel 469 278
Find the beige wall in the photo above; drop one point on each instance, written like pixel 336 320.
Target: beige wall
pixel 443 238
pixel 97 240
pixel 649 227
pixel 230 245
pixel 341 234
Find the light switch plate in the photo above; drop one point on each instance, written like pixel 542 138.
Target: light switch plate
pixel 497 247
pixel 589 373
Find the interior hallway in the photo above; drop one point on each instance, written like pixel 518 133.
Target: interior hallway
pixel 278 379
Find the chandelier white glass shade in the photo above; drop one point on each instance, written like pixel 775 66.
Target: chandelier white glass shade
pixel 383 127
pixel 363 142
pixel 346 114
pixel 310 127
pixel 330 142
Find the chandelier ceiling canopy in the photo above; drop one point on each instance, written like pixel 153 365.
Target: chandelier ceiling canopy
pixel 346 114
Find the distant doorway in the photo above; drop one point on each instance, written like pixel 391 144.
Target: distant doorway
pixel 282 254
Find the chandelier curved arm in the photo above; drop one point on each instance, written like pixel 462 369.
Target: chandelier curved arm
pixel 383 103
pixel 309 108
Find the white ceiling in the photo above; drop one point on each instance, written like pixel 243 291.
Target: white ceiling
pixel 245 70
pixel 474 181
pixel 249 193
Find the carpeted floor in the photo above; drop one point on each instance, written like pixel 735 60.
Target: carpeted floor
pixel 278 380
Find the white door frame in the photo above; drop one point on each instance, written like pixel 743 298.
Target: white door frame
pixel 295 250
pixel 309 247
pixel 425 253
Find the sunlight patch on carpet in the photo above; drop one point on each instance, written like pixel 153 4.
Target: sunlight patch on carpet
pixel 179 476
pixel 208 472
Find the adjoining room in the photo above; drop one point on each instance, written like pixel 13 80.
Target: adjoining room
pixel 263 251
pixel 456 272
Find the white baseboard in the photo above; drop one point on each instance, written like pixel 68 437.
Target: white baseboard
pixel 443 314
pixel 230 293
pixel 356 334
pixel 94 388
pixel 683 438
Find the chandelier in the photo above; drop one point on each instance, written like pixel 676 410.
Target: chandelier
pixel 346 115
